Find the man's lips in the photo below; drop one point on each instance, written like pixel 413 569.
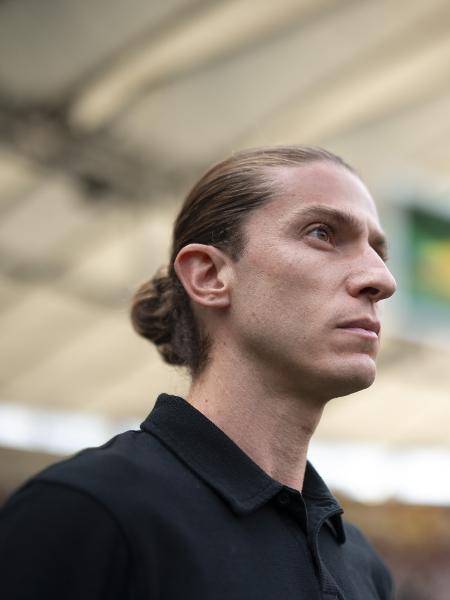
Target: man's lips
pixel 365 327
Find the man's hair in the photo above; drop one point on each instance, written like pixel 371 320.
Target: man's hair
pixel 213 213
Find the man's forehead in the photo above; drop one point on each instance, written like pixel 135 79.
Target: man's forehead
pixel 322 182
pixel 317 177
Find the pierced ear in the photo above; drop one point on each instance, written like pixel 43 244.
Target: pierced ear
pixel 205 273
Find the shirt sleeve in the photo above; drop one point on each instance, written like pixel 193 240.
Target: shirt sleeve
pixel 58 542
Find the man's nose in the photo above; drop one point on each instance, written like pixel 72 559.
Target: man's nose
pixel 373 279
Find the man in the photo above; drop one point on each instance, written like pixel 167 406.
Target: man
pixel 271 301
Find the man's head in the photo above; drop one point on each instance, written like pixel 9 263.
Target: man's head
pixel 277 251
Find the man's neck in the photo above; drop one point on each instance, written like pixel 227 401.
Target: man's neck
pixel 273 427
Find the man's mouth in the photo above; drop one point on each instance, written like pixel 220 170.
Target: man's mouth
pixel 365 327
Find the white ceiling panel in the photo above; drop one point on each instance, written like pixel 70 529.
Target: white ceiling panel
pixel 102 354
pixel 12 292
pixel 39 324
pixel 135 394
pixel 245 99
pixel 46 46
pixel 221 28
pixel 394 411
pixel 352 101
pixel 17 178
pixel 121 261
pixel 391 149
pixel 51 213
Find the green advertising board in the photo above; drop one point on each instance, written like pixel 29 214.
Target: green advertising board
pixel 430 257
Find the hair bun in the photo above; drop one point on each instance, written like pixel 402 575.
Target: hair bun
pixel 153 313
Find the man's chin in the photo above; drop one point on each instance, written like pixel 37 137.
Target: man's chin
pixel 353 376
pixel 359 376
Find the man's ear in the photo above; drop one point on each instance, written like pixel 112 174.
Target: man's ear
pixel 205 272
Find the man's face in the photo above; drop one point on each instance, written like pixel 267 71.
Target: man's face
pixel 305 300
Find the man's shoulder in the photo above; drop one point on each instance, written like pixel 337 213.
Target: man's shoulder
pixel 123 456
pixel 123 471
pixel 355 538
pixel 367 558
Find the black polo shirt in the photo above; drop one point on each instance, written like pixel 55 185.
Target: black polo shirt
pixel 178 511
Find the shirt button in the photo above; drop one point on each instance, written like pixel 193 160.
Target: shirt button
pixel 283 499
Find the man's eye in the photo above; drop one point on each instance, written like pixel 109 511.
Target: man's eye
pixel 321 233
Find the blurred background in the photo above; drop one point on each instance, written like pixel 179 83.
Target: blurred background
pixel 110 110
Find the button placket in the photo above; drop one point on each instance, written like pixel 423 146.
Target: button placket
pixel 283 499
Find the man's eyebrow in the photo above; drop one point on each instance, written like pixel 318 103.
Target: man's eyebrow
pixel 377 238
pixel 338 215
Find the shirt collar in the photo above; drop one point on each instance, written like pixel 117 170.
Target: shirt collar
pixel 216 459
